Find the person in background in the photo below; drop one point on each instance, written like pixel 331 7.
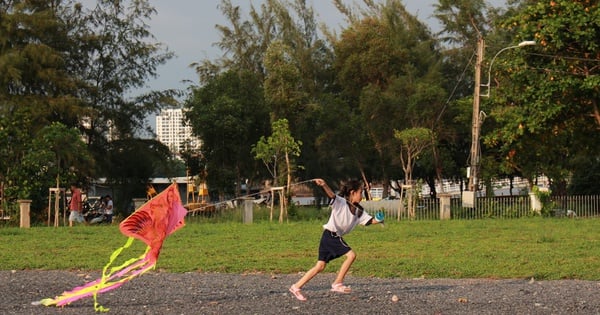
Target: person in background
pixel 346 214
pixel 150 192
pixel 75 206
pixel 108 209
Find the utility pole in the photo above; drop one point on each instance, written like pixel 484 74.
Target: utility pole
pixel 476 125
pixel 469 197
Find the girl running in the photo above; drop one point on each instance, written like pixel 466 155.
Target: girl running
pixel 346 214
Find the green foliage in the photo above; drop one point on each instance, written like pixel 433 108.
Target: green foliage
pixel 229 115
pixel 342 99
pixel 412 141
pixel 462 21
pixel 56 157
pixel 66 74
pixel 36 90
pixel 278 151
pixel 584 180
pixel 389 69
pixel 545 198
pixel 134 162
pixel 283 90
pixel 279 45
pixel 118 55
pixel 547 101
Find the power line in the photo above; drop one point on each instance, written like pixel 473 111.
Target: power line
pixel 547 70
pixel 460 79
pixel 564 57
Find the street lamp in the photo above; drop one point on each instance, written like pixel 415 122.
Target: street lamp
pixel 521 44
pixel 469 196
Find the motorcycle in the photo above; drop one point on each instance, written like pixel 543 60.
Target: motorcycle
pixel 93 212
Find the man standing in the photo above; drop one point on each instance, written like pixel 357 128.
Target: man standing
pixel 75 206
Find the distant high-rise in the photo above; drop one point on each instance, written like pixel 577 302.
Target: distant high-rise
pixel 172 131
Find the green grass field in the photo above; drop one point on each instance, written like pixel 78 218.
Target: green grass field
pixel 520 248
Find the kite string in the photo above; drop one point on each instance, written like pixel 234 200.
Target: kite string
pixel 249 195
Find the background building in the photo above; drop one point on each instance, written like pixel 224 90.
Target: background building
pixel 172 131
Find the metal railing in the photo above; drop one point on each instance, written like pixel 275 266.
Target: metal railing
pixel 501 207
pixel 576 206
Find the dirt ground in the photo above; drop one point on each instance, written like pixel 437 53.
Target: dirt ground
pixel 200 293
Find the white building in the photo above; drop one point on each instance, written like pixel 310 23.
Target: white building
pixel 172 130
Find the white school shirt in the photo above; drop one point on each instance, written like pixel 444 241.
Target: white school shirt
pixel 342 221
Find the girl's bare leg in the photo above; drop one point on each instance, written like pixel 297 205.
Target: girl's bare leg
pixel 320 266
pixel 350 257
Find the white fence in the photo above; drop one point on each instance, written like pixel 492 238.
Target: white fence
pixel 491 207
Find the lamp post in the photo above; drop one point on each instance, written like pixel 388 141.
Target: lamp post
pixel 469 197
pixel 489 72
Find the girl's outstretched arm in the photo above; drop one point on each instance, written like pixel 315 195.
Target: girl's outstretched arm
pixel 325 187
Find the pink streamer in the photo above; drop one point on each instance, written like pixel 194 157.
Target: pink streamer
pixel 151 223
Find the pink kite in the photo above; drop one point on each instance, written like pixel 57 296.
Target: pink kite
pixel 151 223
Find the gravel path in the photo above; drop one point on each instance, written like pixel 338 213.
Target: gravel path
pixel 200 293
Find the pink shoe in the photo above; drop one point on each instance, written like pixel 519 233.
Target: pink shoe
pixel 297 293
pixel 340 288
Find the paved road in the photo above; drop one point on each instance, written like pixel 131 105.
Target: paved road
pixel 200 293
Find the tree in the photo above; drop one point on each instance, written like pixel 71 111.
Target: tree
pixel 279 146
pixel 60 62
pixel 283 91
pixel 36 89
pixel 413 142
pixel 229 115
pixel 389 69
pixel 77 66
pixel 243 42
pixel 343 148
pixel 116 54
pixel 549 99
pixel 585 176
pixel 35 78
pixel 275 32
pixel 56 153
pixel 463 23
pixel 134 162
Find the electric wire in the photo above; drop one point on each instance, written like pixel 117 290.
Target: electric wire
pixel 460 79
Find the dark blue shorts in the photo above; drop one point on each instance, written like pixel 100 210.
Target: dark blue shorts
pixel 332 246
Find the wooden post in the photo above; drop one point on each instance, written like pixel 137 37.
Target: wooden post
pixel 476 123
pixel 56 195
pixel 24 206
pixel 281 194
pixel 248 207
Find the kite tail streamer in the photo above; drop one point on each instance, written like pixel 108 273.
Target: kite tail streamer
pixel 123 273
pixel 151 223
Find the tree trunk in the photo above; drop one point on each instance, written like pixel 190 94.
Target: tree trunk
pixel 367 185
